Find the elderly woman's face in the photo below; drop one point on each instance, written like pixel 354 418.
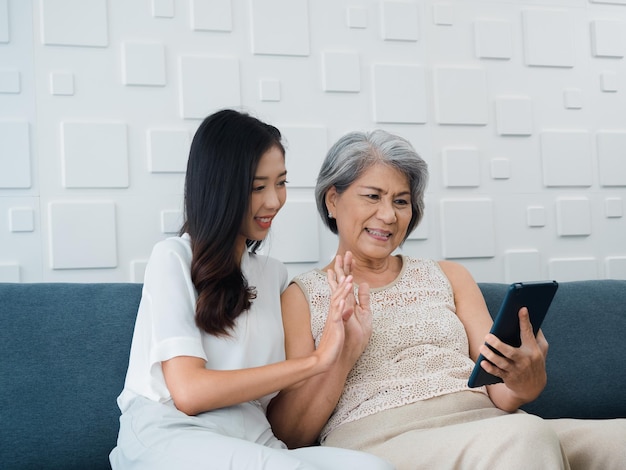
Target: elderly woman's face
pixel 373 213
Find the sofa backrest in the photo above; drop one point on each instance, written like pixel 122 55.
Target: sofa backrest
pixel 586 332
pixel 64 352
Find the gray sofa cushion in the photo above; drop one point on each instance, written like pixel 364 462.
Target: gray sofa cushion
pixel 64 353
pixel 586 330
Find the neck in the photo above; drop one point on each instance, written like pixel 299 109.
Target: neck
pixel 376 272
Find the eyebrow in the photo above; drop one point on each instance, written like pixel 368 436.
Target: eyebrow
pixel 374 188
pixel 284 173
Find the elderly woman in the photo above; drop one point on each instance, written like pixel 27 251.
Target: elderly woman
pixel 400 388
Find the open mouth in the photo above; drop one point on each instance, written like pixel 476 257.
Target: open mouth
pixel 264 222
pixel 382 234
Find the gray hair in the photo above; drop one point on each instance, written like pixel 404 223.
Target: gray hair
pixel 356 152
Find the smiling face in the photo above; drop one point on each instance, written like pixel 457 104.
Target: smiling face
pixel 373 213
pixel 268 195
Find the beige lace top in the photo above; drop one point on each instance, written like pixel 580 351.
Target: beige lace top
pixel 418 348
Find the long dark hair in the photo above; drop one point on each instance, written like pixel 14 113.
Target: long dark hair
pixel 224 155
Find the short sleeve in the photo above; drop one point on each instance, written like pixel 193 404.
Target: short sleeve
pixel 172 298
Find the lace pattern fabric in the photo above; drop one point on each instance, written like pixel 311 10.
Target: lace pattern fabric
pixel 418 349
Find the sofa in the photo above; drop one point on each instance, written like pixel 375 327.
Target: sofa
pixel 64 351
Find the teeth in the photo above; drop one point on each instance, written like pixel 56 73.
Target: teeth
pixel 378 234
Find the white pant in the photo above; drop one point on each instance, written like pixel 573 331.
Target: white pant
pixel 157 436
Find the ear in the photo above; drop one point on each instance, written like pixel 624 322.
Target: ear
pixel 330 199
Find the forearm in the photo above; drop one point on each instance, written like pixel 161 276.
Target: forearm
pixel 298 414
pixel 505 399
pixel 195 389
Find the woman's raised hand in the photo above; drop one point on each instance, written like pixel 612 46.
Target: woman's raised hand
pixel 357 312
pixel 333 337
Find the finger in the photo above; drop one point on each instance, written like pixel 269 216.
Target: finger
pixel 347 263
pixel 501 362
pixel 364 295
pixel 543 343
pixel 526 329
pixel 332 280
pixel 339 268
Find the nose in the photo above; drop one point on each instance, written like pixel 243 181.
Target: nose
pixel 273 200
pixel 387 213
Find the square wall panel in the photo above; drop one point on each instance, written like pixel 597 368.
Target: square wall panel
pixel 609 81
pixel 138 271
pixel 500 168
pixel 9 272
pixel 82 235
pixel 443 14
pixel 573 98
pixel 467 228
pixel 280 27
pixel 356 17
pixel 536 216
pixel 4 21
pixel 21 219
pixel 94 154
pixel 269 90
pixel 616 267
pixel 305 149
pixel 399 94
pixel 294 237
pixel 573 217
pixel 10 81
pixel 14 155
pixel 608 38
pixel 163 8
pixel 341 71
pixel 422 232
pixel 143 64
pixel 522 265
pixel 460 96
pixel 514 116
pixel 573 269
pixel 493 39
pixel 168 150
pixel 211 15
pixel 461 167
pixel 61 83
pixel 611 148
pixel 399 20
pixel 171 221
pixel 613 207
pixel 74 22
pixel 566 157
pixel 548 38
pixel 208 84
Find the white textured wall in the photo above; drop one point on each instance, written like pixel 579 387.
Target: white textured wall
pixel 519 107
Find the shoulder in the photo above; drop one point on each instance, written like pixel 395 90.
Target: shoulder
pixel 172 248
pixel 455 272
pixel 181 245
pixel 271 268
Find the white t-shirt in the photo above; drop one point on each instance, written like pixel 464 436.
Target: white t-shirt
pixel 165 326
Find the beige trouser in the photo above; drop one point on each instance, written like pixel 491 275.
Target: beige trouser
pixel 465 431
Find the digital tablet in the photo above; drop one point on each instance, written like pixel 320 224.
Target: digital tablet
pixel 537 297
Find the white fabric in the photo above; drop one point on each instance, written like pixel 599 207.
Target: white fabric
pixel 418 349
pixel 153 434
pixel 165 325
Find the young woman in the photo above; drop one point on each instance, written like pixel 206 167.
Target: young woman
pixel 207 353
